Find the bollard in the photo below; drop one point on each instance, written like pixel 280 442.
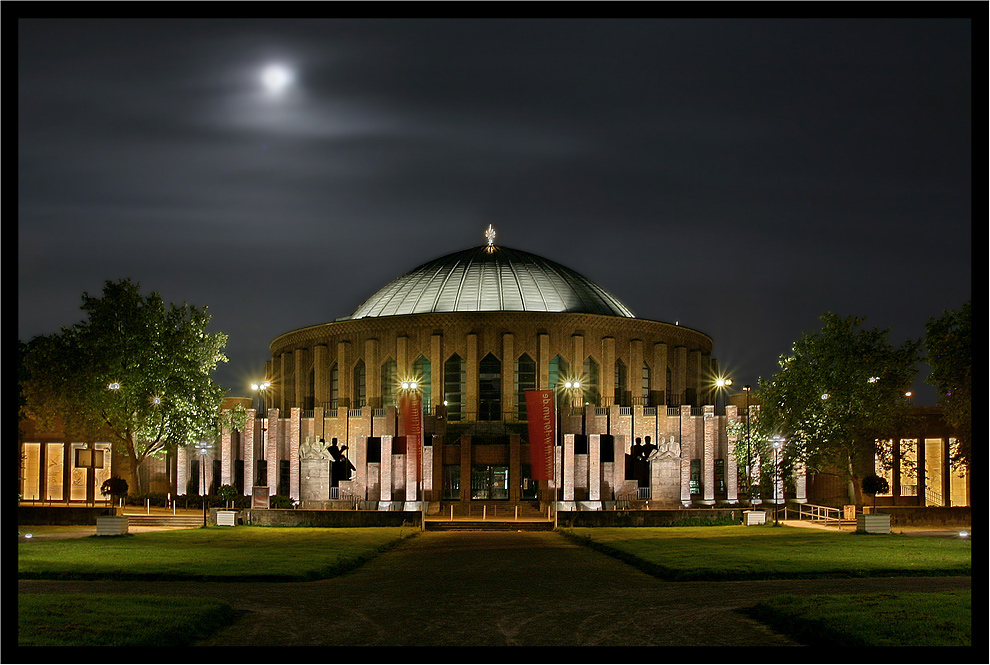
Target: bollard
pixel 517 512
pixel 452 513
pixel 147 506
pixel 484 512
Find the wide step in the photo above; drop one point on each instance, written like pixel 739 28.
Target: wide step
pixel 185 521
pixel 487 525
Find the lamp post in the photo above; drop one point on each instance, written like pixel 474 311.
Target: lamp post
pixel 203 448
pixel 777 442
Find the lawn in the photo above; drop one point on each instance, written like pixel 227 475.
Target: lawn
pixel 96 620
pixel 216 553
pixel 767 552
pixel 935 619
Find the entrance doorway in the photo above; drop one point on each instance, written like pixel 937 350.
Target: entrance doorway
pixel 489 483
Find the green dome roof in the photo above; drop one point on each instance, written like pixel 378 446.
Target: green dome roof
pixel 491 279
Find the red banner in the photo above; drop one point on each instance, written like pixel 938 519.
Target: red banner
pixel 411 412
pixel 542 419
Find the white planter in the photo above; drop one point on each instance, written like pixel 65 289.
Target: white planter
pixel 751 517
pixel 873 523
pixel 226 517
pixel 111 525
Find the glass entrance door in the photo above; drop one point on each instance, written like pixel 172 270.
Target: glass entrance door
pixel 489 482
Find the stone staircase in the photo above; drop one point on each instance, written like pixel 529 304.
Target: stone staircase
pixel 178 521
pixel 488 525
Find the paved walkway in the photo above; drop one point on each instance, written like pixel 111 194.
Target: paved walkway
pixel 496 589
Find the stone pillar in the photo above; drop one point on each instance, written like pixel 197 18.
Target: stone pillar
pixel 225 459
pixel 508 377
pixel 436 372
pixel 568 467
pixel 427 472
pixel 686 452
pixel 658 377
pixel 182 472
pixel 895 484
pixel 800 483
pixel 372 375
pixel 293 441
pixel 678 376
pixel 271 451
pixel 247 449
pixel 755 498
pixel 470 397
pixel 465 467
pixel 731 463
pixel 708 455
pixel 594 467
pixel 607 376
pixel 543 360
pixel 321 376
pixel 358 453
pixel 515 467
pixel 385 470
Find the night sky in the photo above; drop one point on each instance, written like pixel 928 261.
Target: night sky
pixel 739 177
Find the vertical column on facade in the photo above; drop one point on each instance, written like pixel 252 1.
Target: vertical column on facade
pixel 225 459
pixel 321 377
pixel 345 375
pixel 286 381
pixel 385 470
pixel 755 497
pixel 293 441
pixel 247 449
pixel 658 374
pixel 182 477
pixel 508 377
pixel 543 360
pixel 678 375
pixel 708 455
pixel 594 467
pixel 372 374
pixel 636 371
pixel 271 451
pixel 686 442
pixel 471 376
pixel 436 372
pixel 731 468
pixel 692 376
pixel 607 374
pixel 301 386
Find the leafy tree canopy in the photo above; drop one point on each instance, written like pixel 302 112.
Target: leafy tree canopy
pixel 135 371
pixel 950 355
pixel 838 392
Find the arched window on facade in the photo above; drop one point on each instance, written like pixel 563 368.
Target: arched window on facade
pixel 390 380
pixel 490 388
pixel 360 395
pixel 453 386
pixel 621 383
pixel 646 385
pixel 558 372
pixel 421 372
pixel 589 382
pixel 525 380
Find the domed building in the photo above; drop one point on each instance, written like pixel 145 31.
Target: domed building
pixel 462 340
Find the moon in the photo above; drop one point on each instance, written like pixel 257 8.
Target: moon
pixel 276 78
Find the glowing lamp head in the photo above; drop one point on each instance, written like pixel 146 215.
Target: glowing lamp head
pixel 276 78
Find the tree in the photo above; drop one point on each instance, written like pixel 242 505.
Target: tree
pixel 950 355
pixel 839 393
pixel 134 371
pixel 873 485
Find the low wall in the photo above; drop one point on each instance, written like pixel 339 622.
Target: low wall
pixel 934 516
pixel 61 515
pixel 326 518
pixel 593 518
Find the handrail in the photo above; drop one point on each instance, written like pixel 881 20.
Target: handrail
pixel 825 514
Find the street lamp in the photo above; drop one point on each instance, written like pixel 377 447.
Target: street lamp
pixel 261 388
pixel 203 448
pixel 777 442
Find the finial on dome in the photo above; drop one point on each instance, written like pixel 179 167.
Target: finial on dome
pixel 490 234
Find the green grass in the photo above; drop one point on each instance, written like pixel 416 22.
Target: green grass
pixel 922 619
pixel 749 553
pixel 97 620
pixel 209 554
